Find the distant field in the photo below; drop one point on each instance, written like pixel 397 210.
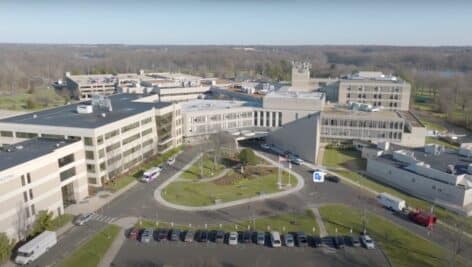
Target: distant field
pixel 42 98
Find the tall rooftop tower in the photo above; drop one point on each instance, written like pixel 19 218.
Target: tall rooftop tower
pixel 301 76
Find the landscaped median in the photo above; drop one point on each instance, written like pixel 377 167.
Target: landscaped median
pixel 207 184
pixel 285 222
pixel 402 247
pixel 90 254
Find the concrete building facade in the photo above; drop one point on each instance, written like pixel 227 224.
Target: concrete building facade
pixel 115 140
pixel 441 176
pixel 36 175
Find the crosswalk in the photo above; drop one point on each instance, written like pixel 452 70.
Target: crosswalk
pixel 102 218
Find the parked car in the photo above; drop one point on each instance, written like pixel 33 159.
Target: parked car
pixel 82 219
pixel 275 239
pixel 301 239
pixel 219 237
pixel 188 237
pixel 355 241
pixel 332 178
pixel 162 234
pixel 246 237
pixel 294 159
pixel 265 146
pixel 339 242
pixel 134 234
pixel 146 236
pixel 288 240
pixel 260 238
pixel 233 238
pixel 202 236
pixel 170 160
pixel 367 242
pixel 175 235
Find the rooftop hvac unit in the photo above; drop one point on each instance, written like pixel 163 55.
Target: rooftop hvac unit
pixel 84 109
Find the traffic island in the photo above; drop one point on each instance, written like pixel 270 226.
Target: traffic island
pixel 234 184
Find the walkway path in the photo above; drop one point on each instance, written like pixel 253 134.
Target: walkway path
pixel 161 200
pixel 320 222
pixel 124 223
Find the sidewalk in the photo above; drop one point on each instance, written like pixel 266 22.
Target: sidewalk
pixel 162 201
pixel 115 247
pixel 320 222
pixel 94 203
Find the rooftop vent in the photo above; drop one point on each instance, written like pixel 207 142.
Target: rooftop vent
pixel 35 116
pixel 84 109
pixel 20 147
pixel 104 115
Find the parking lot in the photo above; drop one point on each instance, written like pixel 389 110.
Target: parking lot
pixel 168 253
pixel 161 251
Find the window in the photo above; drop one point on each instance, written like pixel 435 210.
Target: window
pixel 28 178
pixel 92 180
pixel 89 155
pixel 91 168
pixel 33 209
pixel 23 182
pixel 131 139
pixel 25 196
pixel 66 160
pixel 130 127
pixel 146 132
pixel 52 136
pixel 26 135
pixel 146 121
pixel 67 174
pixel 112 134
pixel 280 119
pixel 113 147
pixel 101 153
pixel 88 141
pixel 6 134
pixel 103 166
pixel 31 193
pixel 100 140
pixel 27 213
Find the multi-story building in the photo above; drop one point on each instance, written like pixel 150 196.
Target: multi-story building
pixel 118 132
pixel 85 86
pixel 374 88
pixel 39 174
pixel 439 175
pixel 338 122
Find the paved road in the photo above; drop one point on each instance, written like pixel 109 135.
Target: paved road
pixel 139 202
pixel 177 254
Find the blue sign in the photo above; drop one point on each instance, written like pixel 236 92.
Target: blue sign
pixel 318 176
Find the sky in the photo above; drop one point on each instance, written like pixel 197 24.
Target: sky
pixel 243 22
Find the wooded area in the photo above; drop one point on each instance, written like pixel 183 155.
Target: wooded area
pixel 441 76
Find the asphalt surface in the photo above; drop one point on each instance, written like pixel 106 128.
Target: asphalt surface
pixel 176 254
pixel 139 202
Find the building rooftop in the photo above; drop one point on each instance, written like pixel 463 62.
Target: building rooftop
pixel 176 76
pixel 344 110
pixel 19 153
pixel 372 76
pixel 295 94
pixel 123 106
pixel 439 161
pixel 94 79
pixel 207 105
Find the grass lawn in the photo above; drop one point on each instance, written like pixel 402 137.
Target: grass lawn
pixel 433 140
pixel 42 98
pixel 137 172
pixel 401 246
pixel 433 126
pixel 90 253
pixel 209 169
pixel 339 161
pixel 206 193
pixel 290 221
pixel 60 221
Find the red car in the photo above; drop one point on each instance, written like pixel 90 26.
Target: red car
pixel 134 234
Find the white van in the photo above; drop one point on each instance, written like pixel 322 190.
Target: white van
pixel 275 239
pixel 391 202
pixel 151 174
pixel 36 247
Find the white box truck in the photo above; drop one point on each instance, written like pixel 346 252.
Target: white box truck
pixel 36 247
pixel 391 202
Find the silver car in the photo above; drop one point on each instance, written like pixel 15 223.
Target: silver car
pixel 288 240
pixel 147 235
pixel 83 218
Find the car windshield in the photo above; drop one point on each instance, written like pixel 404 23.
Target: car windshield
pixel 25 254
pixel 276 242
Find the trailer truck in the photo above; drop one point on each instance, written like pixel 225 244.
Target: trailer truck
pixel 391 202
pixel 422 218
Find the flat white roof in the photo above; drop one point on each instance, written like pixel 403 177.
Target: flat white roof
pixel 203 105
pixel 295 94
